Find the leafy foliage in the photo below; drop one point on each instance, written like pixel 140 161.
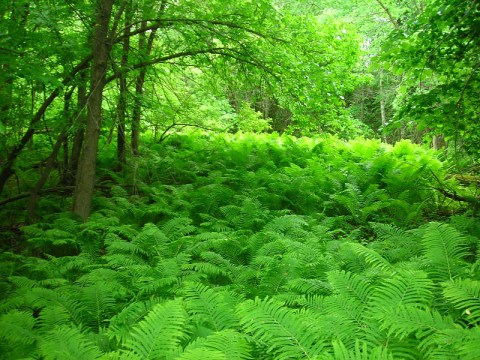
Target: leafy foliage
pixel 267 248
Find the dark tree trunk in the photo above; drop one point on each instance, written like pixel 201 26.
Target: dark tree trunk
pixel 137 106
pixel 80 130
pixel 122 101
pixel 145 48
pixel 32 206
pixel 85 177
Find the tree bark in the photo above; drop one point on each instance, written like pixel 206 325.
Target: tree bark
pixel 32 206
pixel 122 101
pixel 145 48
pixel 137 107
pixel 85 177
pixel 382 107
pixel 80 129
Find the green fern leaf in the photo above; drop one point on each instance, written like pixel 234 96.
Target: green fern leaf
pixel 208 307
pixel 347 283
pixel 202 353
pixel 467 343
pixel 282 333
pixel 406 288
pixel 67 343
pixel 122 323
pixel 428 326
pixel 16 328
pixel 229 344
pixel 444 249
pixel 178 227
pixel 361 351
pixel 310 286
pixel 464 294
pixel 372 257
pixel 160 333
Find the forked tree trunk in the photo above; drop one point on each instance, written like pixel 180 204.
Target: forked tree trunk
pixel 85 177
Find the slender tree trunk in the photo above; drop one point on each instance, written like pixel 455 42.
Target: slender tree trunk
pixel 79 131
pixel 32 206
pixel 382 106
pixel 85 177
pixel 145 48
pixel 137 106
pixel 66 110
pixel 122 101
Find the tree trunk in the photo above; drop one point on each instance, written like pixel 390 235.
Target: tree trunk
pixel 85 177
pixel 122 101
pixel 32 206
pixel 382 107
pixel 144 48
pixel 80 130
pixel 137 107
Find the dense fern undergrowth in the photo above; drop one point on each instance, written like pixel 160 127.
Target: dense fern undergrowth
pixel 251 247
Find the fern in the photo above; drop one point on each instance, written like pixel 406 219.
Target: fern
pixel 226 344
pixel 69 343
pixel 361 351
pixel 405 288
pixel 16 328
pixel 276 328
pixel 99 302
pixel 209 308
pixel 372 258
pixel 350 284
pixel 160 332
pixel 428 326
pixel 444 250
pixel 464 294
pixel 121 324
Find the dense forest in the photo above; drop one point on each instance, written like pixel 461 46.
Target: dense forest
pixel 239 179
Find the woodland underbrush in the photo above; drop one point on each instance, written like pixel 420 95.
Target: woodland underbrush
pixel 251 247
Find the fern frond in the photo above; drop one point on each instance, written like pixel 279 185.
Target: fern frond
pixel 310 286
pixel 52 316
pixel 116 245
pixel 160 332
pixel 99 302
pixel 464 294
pixel 228 343
pixel 282 333
pixel 69 343
pixel 406 288
pixel 388 231
pixel 178 227
pixel 444 249
pixel 16 328
pixel 372 258
pixel 208 307
pixel 202 353
pixel 467 343
pixel 427 326
pixel 65 298
pixel 122 323
pixel 347 283
pixel 153 241
pixel 361 351
pixel 285 224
